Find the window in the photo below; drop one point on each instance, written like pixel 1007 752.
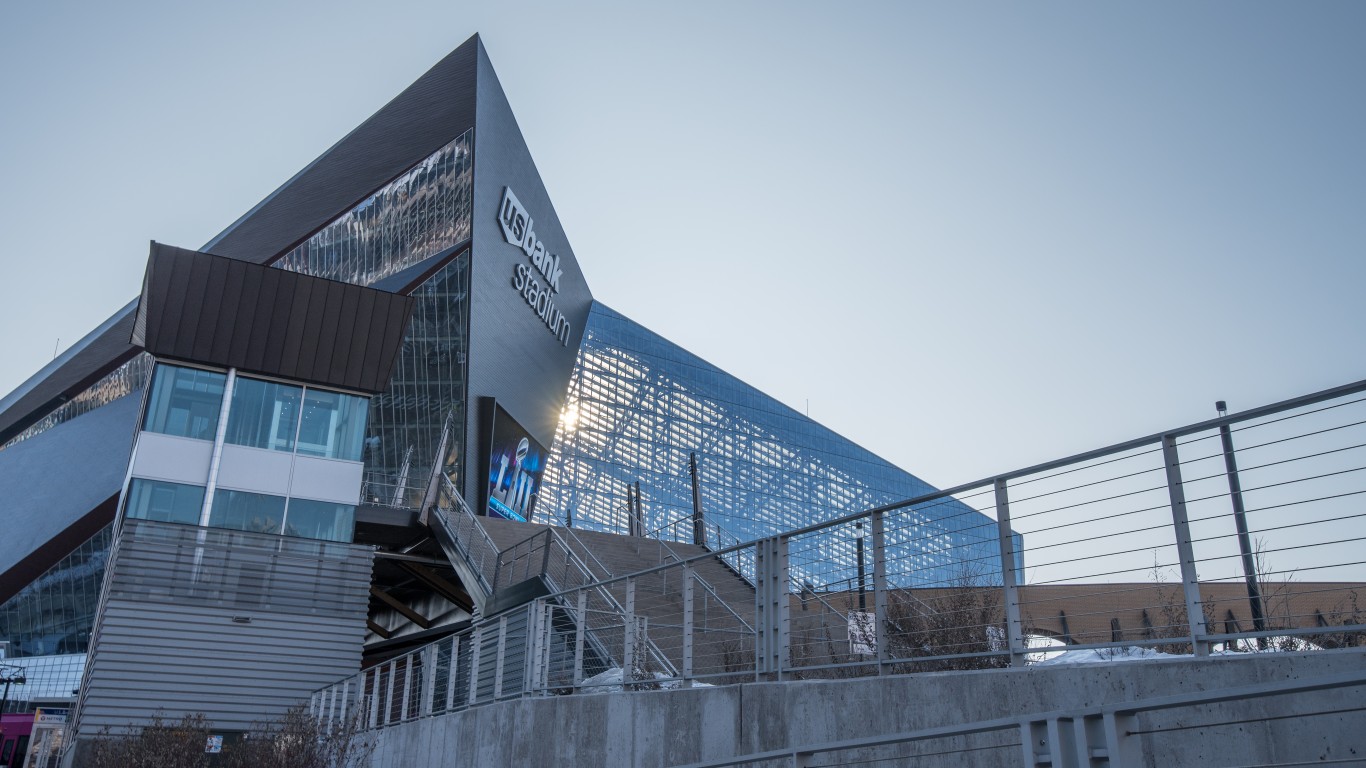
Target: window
pixel 244 511
pixel 165 502
pixel 320 520
pixel 264 414
pixel 184 402
pixel 333 425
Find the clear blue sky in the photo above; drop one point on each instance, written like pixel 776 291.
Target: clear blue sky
pixel 973 235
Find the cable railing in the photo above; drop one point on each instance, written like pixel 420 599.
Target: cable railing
pixel 462 537
pixel 1237 534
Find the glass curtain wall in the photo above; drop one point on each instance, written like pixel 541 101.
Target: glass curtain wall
pixel 426 395
pixel 54 613
pixel 639 404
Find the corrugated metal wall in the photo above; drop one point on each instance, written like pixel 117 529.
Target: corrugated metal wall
pixel 239 626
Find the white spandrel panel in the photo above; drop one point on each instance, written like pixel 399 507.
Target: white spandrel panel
pixel 254 469
pixel 173 459
pixel 326 479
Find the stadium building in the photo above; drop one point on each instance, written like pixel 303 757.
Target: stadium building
pixel 218 499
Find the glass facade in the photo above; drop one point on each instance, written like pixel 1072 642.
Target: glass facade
pixel 426 393
pixel 54 613
pixel 165 502
pixel 126 379
pixel 263 414
pixel 639 404
pixel 245 511
pixel 414 217
pixel 320 520
pixel 185 402
pixel 333 425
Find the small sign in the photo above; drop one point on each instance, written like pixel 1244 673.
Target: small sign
pixel 862 633
pixel 214 745
pixel 49 716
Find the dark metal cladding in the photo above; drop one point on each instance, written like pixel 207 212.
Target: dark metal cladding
pixel 202 308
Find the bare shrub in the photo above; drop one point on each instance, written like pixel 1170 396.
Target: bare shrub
pixel 298 740
pixel 161 743
pixel 965 618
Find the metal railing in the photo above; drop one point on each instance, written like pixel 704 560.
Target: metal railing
pixel 1241 533
pixel 718 539
pixel 547 555
pixel 458 530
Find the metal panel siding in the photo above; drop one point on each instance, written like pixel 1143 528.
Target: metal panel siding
pixel 326 479
pixel 254 469
pixel 232 327
pixel 167 639
pixel 171 458
pixel 513 355
pixel 429 114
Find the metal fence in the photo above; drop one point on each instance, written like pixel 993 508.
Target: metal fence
pixel 1241 533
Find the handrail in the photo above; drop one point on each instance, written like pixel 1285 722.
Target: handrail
pixel 607 571
pixel 465 522
pixel 706 585
pixel 587 580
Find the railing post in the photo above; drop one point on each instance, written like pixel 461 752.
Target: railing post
pixel 454 668
pixel 345 716
pixel 880 587
pixel 579 621
pixel 1190 580
pixel 498 657
pixel 389 694
pixel 1235 492
pixel 771 607
pixel 628 633
pixel 687 625
pixel 374 696
pixel 476 643
pixel 536 643
pixel 425 704
pixel 1015 639
pixel 407 688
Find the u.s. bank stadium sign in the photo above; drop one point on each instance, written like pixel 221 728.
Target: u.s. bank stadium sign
pixel 519 228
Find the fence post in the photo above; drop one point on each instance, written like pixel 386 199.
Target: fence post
pixel 1015 638
pixel 374 696
pixel 389 694
pixel 628 635
pixel 771 607
pixel 579 621
pixel 451 675
pixel 477 641
pixel 1190 580
pixel 498 657
pixel 407 688
pixel 687 625
pixel 880 587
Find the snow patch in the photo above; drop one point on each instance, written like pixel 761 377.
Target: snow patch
pixel 610 682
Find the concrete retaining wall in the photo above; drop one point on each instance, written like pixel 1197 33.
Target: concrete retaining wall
pixel 664 728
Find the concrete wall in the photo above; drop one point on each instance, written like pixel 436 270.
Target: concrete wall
pixel 663 728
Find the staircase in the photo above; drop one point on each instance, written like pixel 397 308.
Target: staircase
pixel 723 602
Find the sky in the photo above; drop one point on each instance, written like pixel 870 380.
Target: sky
pixel 971 236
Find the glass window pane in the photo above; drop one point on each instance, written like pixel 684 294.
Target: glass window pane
pixel 320 520
pixel 264 414
pixel 333 425
pixel 185 402
pixel 166 502
pixel 243 511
